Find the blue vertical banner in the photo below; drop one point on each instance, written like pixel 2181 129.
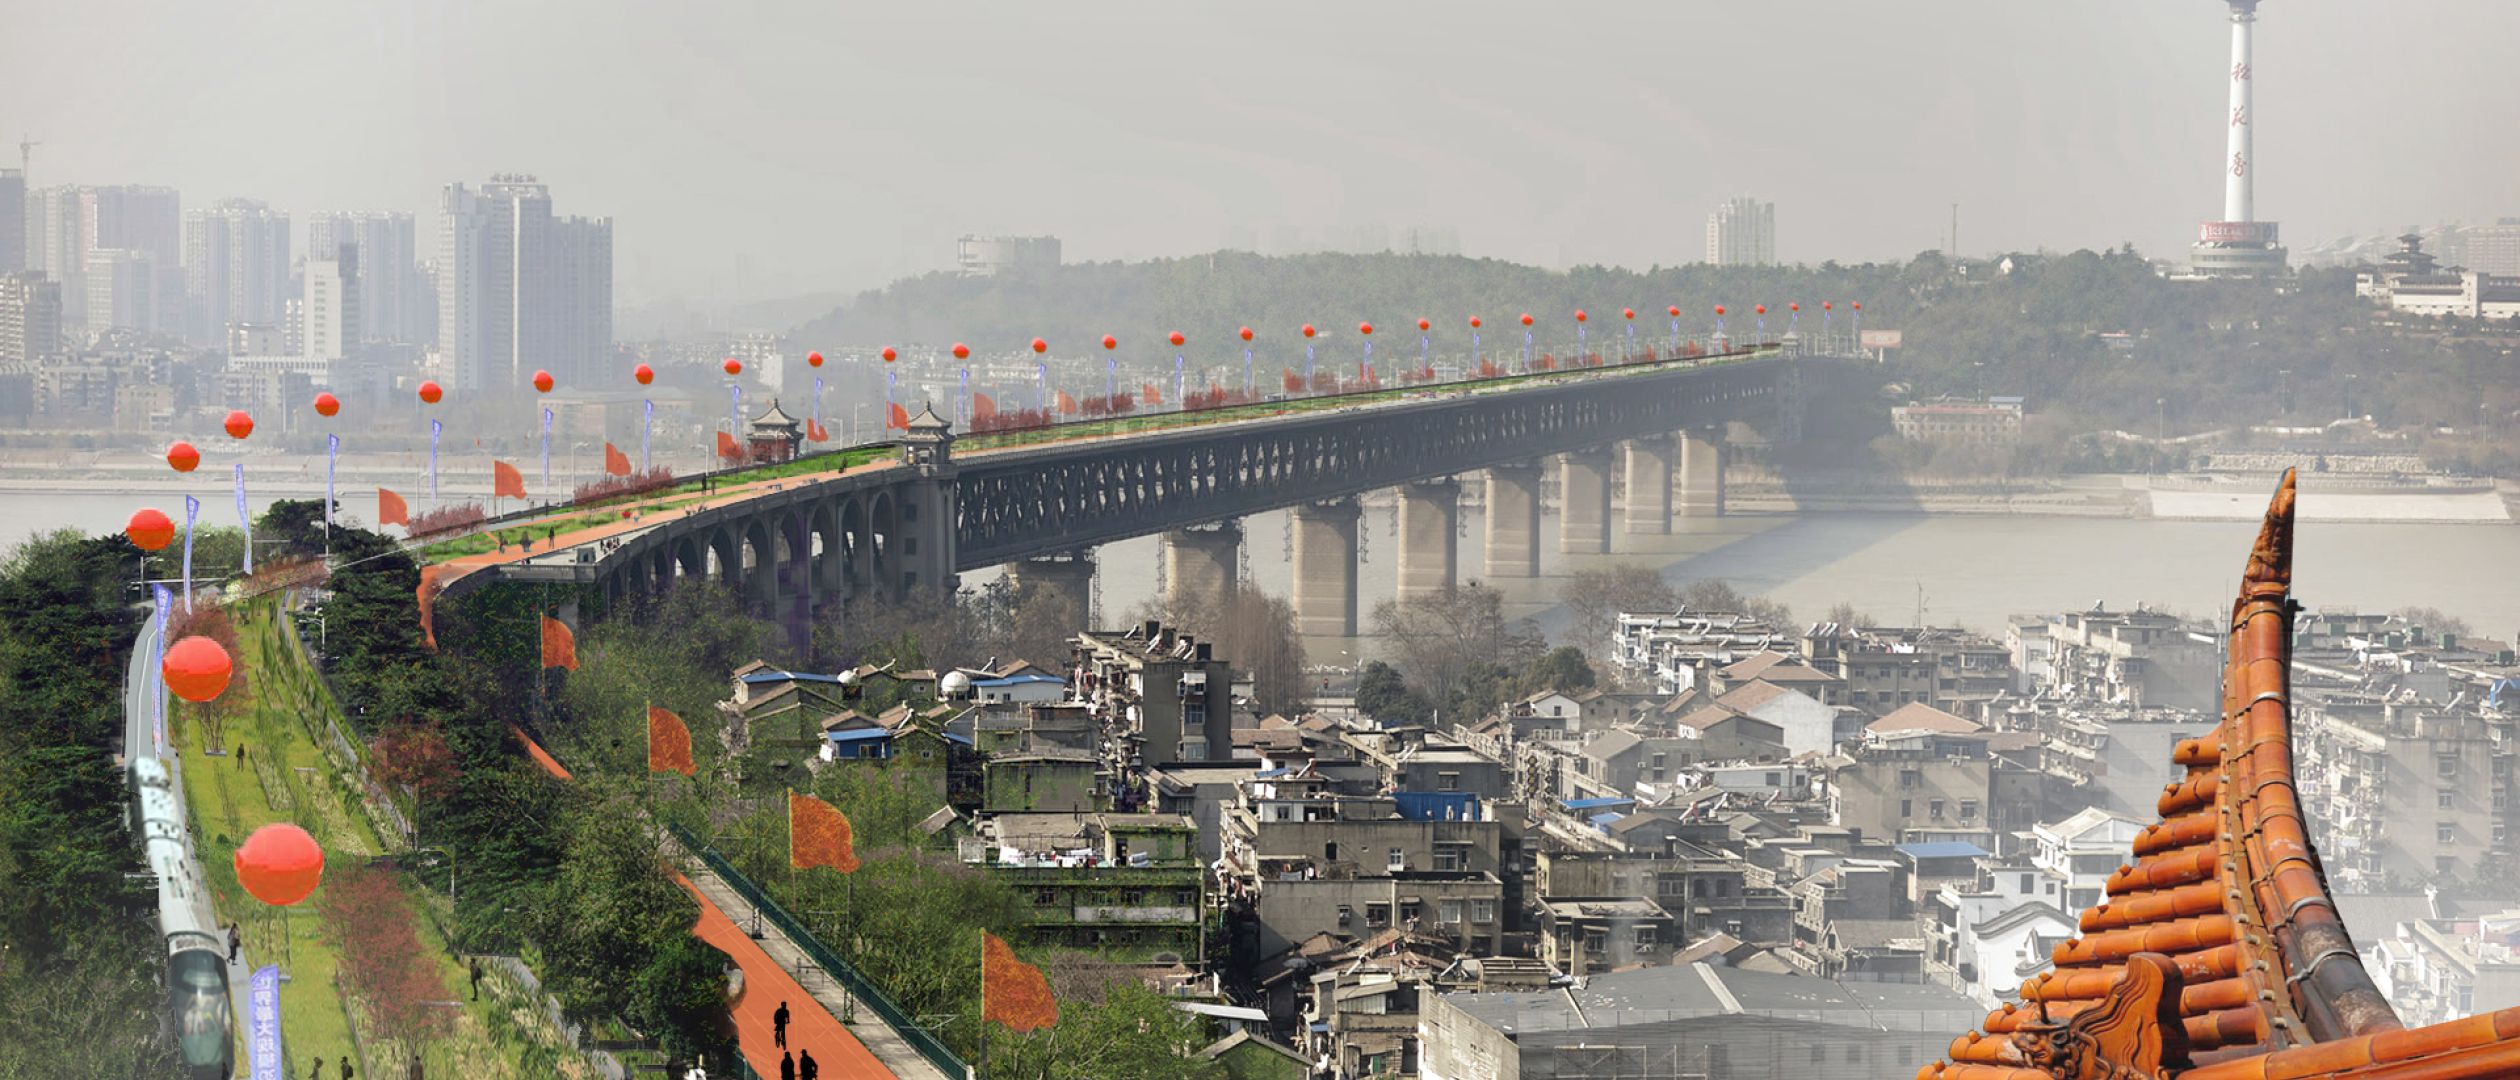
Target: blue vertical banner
pixel 1246 371
pixel 157 663
pixel 817 401
pixel 192 512
pixel 1178 401
pixel 963 407
pixel 735 411
pixel 332 457
pixel 263 1029
pixel 1526 348
pixel 1631 345
pixel 647 423
pixel 436 428
pixel 1041 373
pixel 1308 366
pixel 1474 348
pixel 1365 367
pixel 1675 335
pixel 244 518
pixel 546 447
pixel 1583 337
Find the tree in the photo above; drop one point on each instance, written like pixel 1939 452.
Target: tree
pixel 605 914
pixel 1717 594
pixel 381 958
pixel 1562 669
pixel 1434 640
pixel 1843 613
pixel 1129 1033
pixel 414 754
pixel 1383 696
pixel 681 996
pixel 1596 597
pixel 2433 621
pixel 291 529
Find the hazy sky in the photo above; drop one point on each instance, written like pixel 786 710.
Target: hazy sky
pixel 757 150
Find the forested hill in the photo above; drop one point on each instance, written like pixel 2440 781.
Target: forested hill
pixel 2214 351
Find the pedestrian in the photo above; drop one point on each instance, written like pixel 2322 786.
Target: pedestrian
pixel 318 1073
pixel 476 978
pixel 240 754
pixel 805 1067
pixel 778 1025
pixel 346 1074
pixel 787 1066
pixel 236 943
pixel 415 1073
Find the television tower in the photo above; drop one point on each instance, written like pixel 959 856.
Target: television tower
pixel 2239 245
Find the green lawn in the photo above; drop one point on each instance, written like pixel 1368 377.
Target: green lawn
pixel 287 777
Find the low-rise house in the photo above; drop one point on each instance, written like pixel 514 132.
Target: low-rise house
pixel 1806 722
pixel 2083 850
pixel 1126 886
pixel 1038 781
pixel 1583 935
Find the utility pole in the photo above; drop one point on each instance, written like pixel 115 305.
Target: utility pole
pixel 26 157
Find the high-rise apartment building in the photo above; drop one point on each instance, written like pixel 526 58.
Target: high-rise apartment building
pixel 69 223
pixel 12 221
pixel 394 301
pixel 236 268
pixel 30 319
pixel 2488 249
pixel 122 290
pixel 1742 232
pixel 332 305
pixel 520 289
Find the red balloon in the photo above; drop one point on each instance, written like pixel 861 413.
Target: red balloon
pixel 1827 305
pixel 962 351
pixel 1365 328
pixel 1176 338
pixel 1425 325
pixel 1245 332
pixel 239 424
pixel 1859 305
pixel 196 668
pixel 1795 306
pixel 644 374
pixel 1308 329
pixel 813 359
pixel 430 391
pixel 542 381
pixel 280 864
pixel 889 354
pixel 1675 311
pixel 1579 314
pixel 183 457
pixel 1110 342
pixel 1761 309
pixel 1526 318
pixel 1040 346
pixel 1719 311
pixel 327 405
pixel 149 530
pixel 1474 322
pixel 733 366
pixel 1629 312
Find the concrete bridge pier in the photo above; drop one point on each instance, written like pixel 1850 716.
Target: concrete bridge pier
pixel 1649 486
pixel 795 580
pixel 1202 566
pixel 1702 473
pixel 1513 521
pixel 1584 488
pixel 1325 568
pixel 1064 580
pixel 1430 537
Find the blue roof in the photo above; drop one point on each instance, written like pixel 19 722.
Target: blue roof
pixel 1596 804
pixel 1271 774
pixel 1020 680
pixel 1607 817
pixel 789 676
pixel 1437 805
pixel 858 734
pixel 1943 849
pixel 956 736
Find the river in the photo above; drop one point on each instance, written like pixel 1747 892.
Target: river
pixel 1972 571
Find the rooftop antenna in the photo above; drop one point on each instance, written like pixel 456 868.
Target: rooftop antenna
pixel 26 156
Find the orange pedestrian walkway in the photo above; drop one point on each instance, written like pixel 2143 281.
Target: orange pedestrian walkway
pixel 810 1026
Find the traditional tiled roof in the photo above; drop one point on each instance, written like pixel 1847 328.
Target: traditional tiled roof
pixel 2218 954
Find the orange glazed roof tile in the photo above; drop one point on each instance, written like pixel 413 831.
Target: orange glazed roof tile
pixel 2218 954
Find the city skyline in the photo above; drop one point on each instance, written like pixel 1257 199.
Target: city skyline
pixel 859 166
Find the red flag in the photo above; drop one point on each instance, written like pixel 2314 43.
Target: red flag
pixel 815 431
pixel 1067 405
pixel 1013 992
pixel 559 646
pixel 616 463
pixel 391 510
pixel 1294 382
pixel 669 743
pixel 818 835
pixel 727 448
pixel 900 418
pixel 505 481
pixel 983 406
pixel 1152 395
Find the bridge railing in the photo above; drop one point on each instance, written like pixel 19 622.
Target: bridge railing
pixel 841 971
